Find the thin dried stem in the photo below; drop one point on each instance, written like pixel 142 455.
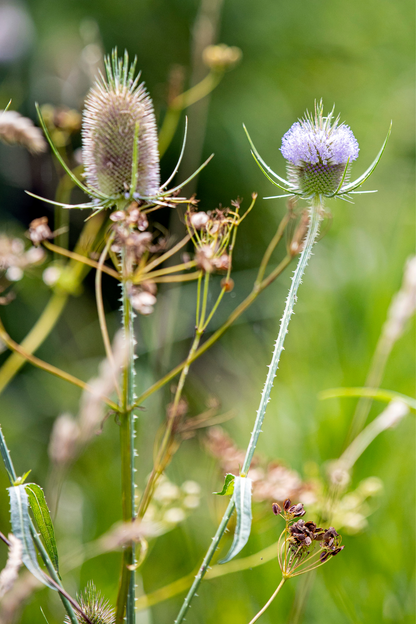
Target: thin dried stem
pixel 78 258
pixel 49 368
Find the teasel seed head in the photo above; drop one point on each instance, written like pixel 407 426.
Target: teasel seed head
pixel 119 134
pixel 95 607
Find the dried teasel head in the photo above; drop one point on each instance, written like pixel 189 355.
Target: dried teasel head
pixel 119 134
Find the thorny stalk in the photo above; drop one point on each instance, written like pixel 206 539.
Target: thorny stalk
pixel 315 217
pixel 126 594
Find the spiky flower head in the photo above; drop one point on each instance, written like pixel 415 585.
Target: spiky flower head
pixel 319 150
pixel 119 134
pixel 95 607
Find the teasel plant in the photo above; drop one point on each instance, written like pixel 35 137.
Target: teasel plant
pixel 122 180
pixel 319 151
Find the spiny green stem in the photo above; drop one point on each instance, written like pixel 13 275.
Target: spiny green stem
pixel 207 560
pixel 315 218
pixel 126 595
pixel 312 233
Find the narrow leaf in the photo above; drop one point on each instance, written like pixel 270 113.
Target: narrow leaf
pixel 242 499
pixel 228 487
pixel 43 521
pixel 20 520
pixel 377 394
pixel 7 459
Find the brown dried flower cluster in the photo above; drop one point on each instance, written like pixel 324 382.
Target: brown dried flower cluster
pixel 303 546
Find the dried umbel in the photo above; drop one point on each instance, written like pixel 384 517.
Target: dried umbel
pixel 119 135
pixel 212 233
pixel 319 151
pixel 303 546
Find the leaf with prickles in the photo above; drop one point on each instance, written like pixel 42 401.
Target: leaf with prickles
pixel 20 521
pixel 43 521
pixel 242 500
pixel 359 181
pixel 259 159
pixel 228 487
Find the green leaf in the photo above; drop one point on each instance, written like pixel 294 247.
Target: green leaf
pixel 242 500
pixel 20 520
pixel 377 394
pixel 43 521
pixel 8 464
pixel 228 487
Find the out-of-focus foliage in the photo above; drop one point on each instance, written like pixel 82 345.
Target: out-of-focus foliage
pixel 358 55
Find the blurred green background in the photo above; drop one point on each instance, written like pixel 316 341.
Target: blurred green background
pixel 358 55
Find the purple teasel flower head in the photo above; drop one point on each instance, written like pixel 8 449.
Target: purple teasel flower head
pixel 319 151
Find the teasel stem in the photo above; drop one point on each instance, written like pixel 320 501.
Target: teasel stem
pixel 312 233
pixel 126 594
pixel 268 603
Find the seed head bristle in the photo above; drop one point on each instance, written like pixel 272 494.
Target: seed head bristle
pixel 119 113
